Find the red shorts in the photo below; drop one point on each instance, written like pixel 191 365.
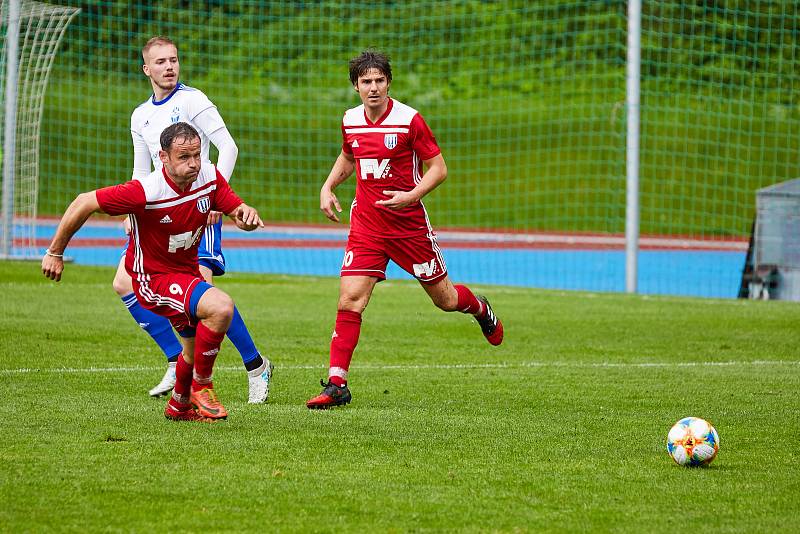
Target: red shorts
pixel 419 256
pixel 169 295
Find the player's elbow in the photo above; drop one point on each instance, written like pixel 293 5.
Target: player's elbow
pixel 230 150
pixel 442 172
pixel 86 202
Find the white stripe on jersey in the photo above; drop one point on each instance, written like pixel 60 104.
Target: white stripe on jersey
pixel 400 115
pixel 137 250
pixel 379 129
pixel 144 279
pixel 208 235
pixel 182 200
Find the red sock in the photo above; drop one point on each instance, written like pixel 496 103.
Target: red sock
pixel 206 348
pixel 183 382
pixel 467 303
pixel 343 343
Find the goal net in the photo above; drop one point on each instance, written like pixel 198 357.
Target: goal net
pixel 39 28
pixel 526 99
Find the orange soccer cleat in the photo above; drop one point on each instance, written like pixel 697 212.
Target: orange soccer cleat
pixel 206 403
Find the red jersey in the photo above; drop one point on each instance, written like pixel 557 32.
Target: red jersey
pixel 389 154
pixel 167 223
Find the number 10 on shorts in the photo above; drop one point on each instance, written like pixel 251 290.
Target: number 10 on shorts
pixel 348 258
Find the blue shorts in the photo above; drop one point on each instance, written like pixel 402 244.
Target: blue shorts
pixel 210 252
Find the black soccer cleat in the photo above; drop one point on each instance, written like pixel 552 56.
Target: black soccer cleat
pixel 332 395
pixel 491 326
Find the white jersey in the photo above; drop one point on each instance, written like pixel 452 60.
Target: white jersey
pixel 183 104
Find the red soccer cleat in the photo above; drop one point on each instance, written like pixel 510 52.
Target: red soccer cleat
pixel 171 412
pixel 331 396
pixel 206 403
pixel 491 326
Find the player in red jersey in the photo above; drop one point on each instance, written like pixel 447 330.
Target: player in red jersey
pixel 169 210
pixel 387 143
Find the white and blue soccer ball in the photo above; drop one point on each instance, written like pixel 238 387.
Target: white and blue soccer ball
pixel 693 442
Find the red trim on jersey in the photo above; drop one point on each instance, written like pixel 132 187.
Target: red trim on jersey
pixel 171 183
pixel 382 117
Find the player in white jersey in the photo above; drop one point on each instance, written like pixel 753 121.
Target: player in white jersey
pixel 170 103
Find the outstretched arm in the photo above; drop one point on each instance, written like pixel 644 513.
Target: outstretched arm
pixel 76 215
pixel 342 169
pixel 436 174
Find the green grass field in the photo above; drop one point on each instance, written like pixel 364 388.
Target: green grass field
pixel 562 428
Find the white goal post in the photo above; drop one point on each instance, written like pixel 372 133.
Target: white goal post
pixel 32 32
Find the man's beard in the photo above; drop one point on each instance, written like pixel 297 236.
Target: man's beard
pixel 167 85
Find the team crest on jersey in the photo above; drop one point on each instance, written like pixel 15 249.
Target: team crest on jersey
pixel 176 115
pixel 390 140
pixel 203 204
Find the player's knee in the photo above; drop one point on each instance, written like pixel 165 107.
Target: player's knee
pixel 446 303
pixel 122 284
pixel 216 309
pixel 223 307
pixel 354 303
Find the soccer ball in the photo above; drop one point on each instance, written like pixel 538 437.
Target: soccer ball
pixel 692 442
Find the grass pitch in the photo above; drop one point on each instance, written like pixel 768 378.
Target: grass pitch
pixel 562 428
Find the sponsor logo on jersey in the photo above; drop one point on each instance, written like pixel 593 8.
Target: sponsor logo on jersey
pixel 146 124
pixel 390 140
pixel 378 168
pixel 165 220
pixel 355 143
pixel 425 269
pixel 185 240
pixel 176 115
pixel 203 204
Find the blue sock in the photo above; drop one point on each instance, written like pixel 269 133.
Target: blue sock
pixel 240 337
pixel 158 327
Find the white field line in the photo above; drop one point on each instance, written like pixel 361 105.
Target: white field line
pixel 403 367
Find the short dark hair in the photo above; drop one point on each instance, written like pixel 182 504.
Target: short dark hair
pixel 179 130
pixel 369 59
